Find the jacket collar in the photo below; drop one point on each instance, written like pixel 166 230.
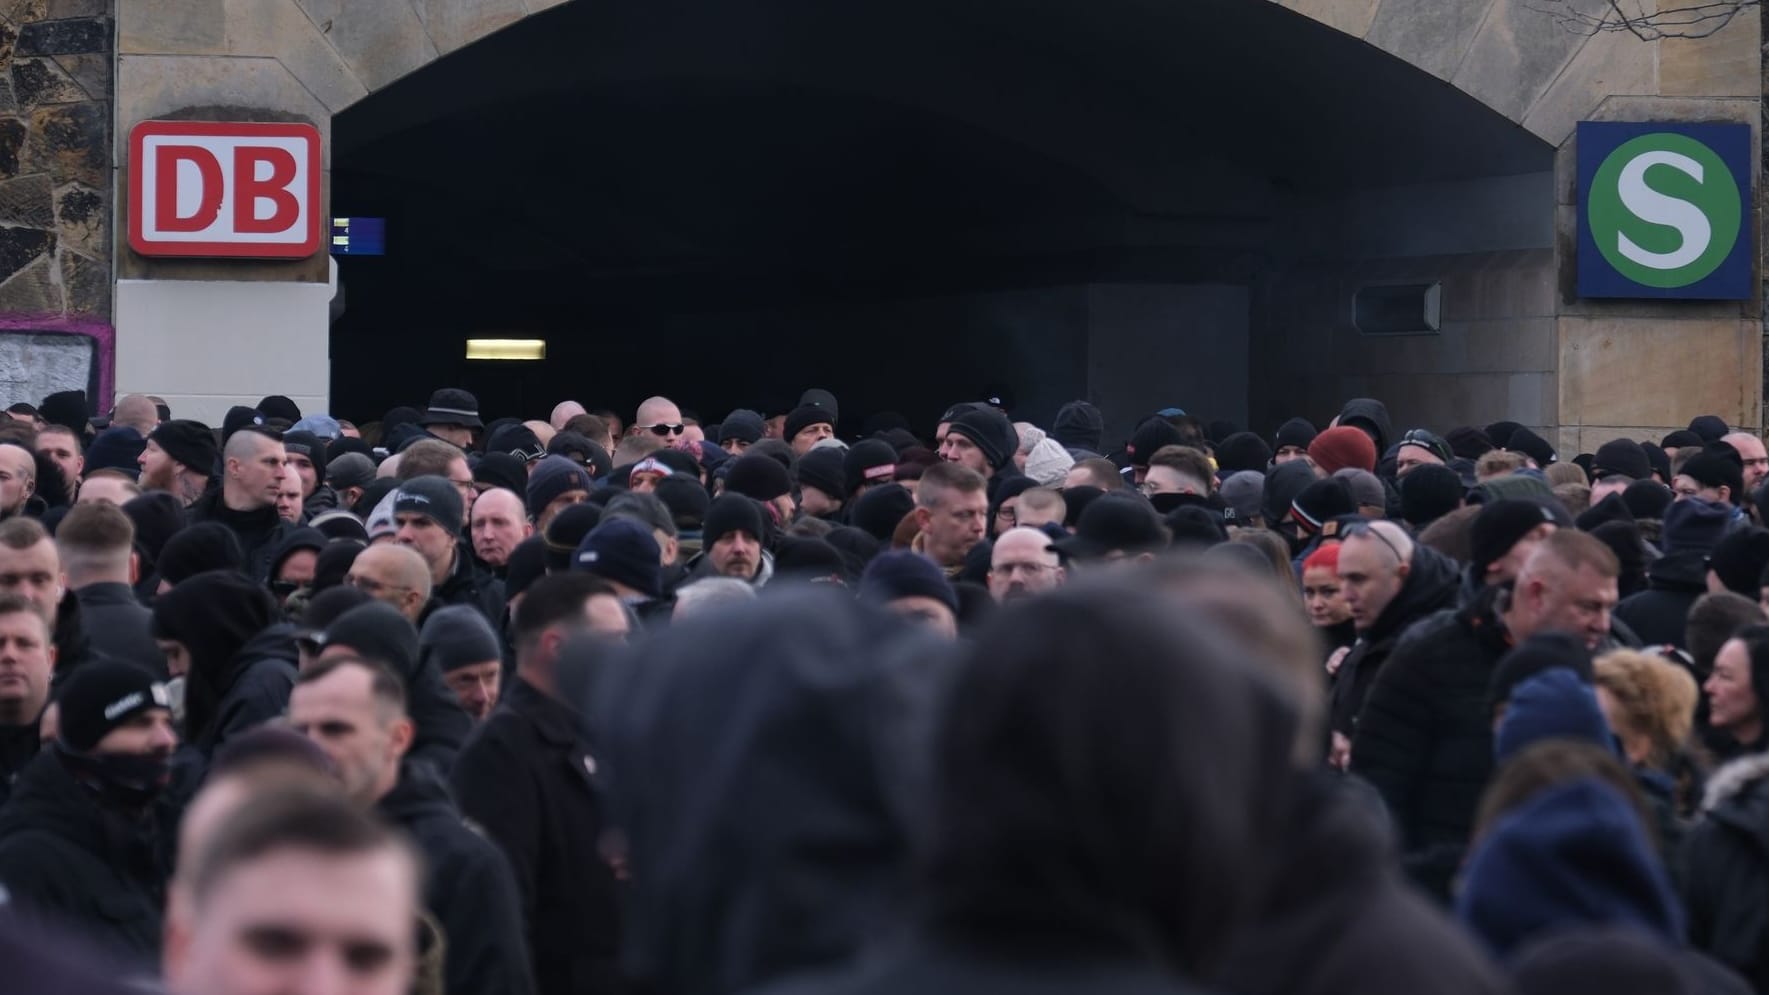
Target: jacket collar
pixel 555 723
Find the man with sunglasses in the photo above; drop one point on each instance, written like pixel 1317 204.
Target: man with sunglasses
pixel 660 417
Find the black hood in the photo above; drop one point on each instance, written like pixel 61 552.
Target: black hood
pixel 419 794
pixel 1686 571
pixel 215 615
pixel 1368 412
pixel 764 764
pixel 1433 583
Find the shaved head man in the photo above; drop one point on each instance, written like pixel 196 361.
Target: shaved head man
pixel 563 412
pixel 500 521
pixel 1755 457
pixel 1373 565
pixel 138 412
pixel 395 574
pixel 1023 564
pixel 18 479
pixel 254 471
pixel 660 417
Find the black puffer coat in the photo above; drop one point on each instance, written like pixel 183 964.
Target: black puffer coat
pixel 1430 586
pixel 1725 870
pixel 1659 615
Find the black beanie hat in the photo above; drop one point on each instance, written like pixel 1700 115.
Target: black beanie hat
pixel 822 469
pixel 1500 432
pixel 566 531
pixel 903 574
pixel 1711 428
pixel 67 408
pixel 758 476
pixel 118 448
pixel 191 443
pixel 857 546
pixel 733 513
pixel 1321 502
pixel 1076 501
pixel 1078 425
pixel 1623 538
pixel 199 549
pixel 434 498
pixel 743 425
pixel 1195 525
pixel 334 563
pixel 1242 451
pixel 377 631
pixel 871 461
pixel 1151 436
pixel 1611 509
pixel 1658 459
pixel 1711 469
pixel 686 500
pixel 309 445
pixel 1498 527
pixel 278 406
pixel 1540 652
pixel 158 516
pixel 346 470
pixel 584 451
pixel 527 564
pixel 805 558
pixel 1621 458
pixel 804 416
pixel 293 542
pixel 238 417
pixel 458 636
pixel 1738 560
pixel 1648 499
pixel 1468 443
pixel 1298 432
pixel 552 477
pixel 1532 445
pixel 101 695
pixel 625 552
pixel 1428 493
pixel 880 510
pixel 993 434
pixel 516 440
pixel 1282 484
pixel 1682 439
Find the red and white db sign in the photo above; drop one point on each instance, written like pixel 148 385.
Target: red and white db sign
pixel 200 188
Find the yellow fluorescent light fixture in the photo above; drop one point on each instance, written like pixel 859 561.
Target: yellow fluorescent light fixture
pixel 507 349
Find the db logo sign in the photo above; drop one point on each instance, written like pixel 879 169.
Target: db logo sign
pixel 198 188
pixel 1664 211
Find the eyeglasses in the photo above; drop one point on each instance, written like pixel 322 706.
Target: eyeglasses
pixel 1365 528
pixel 371 586
pixel 665 428
pixel 1032 569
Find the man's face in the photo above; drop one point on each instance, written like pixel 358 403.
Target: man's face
pixel 1370 576
pixel 434 543
pixel 1575 601
pixel 476 686
pixel 1324 597
pixel 1287 453
pixel 1732 699
pixel 376 574
pixel 297 921
pixel 660 418
pixel 1167 480
pixel 953 525
pixel 1755 457
pixel 809 436
pixel 736 554
pixel 309 477
pixel 644 482
pixel 339 713
pixel 60 447
pixel 1023 564
pixel 288 496
pixel 1688 487
pixel 459 435
pixel 774 427
pixel 158 470
pixel 26 661
pixel 260 478
pixel 1410 458
pixel 298 568
pixel 735 447
pixel 958 448
pixel 18 478
pixel 461 475
pixel 1505 569
pixel 33 574
pixel 147 733
pixel 558 504
pixel 113 490
pixel 1036 518
pixel 1612 484
pixel 499 524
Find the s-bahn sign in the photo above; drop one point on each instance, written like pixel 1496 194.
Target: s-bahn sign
pixel 201 188
pixel 1665 211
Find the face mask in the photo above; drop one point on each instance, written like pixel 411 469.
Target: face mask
pixel 129 781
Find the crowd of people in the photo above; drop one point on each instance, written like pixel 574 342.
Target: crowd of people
pixel 790 703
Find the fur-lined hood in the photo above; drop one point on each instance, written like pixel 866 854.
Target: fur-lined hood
pixel 1731 781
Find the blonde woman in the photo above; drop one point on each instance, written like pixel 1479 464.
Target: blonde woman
pixel 1650 704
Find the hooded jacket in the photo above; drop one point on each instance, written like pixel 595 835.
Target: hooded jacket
pixel 1725 870
pixel 1430 586
pixel 468 887
pixel 69 860
pixel 766 769
pixel 1575 855
pixel 1369 413
pixel 1659 615
pixel 1339 918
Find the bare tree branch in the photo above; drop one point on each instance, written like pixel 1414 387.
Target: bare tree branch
pixel 1697 19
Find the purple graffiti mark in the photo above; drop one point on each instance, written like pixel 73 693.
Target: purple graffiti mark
pixel 101 333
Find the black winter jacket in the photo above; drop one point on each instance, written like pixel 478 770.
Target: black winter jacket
pixel 525 777
pixel 1430 586
pixel 1725 870
pixel 468 888
pixel 469 584
pixel 119 626
pixel 1659 615
pixel 69 860
pixel 1425 740
pixel 256 687
pixel 260 532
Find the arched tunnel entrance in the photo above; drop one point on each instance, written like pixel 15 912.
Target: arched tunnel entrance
pixel 1152 203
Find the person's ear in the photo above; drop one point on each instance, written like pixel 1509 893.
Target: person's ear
pixel 1402 570
pixel 400 737
pixel 134 568
pixel 922 518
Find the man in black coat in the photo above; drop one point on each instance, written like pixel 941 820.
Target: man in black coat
pixel 1659 615
pixel 252 473
pixel 377 632
pixel 355 711
pixel 1425 740
pixel 96 542
pixel 77 839
pixel 27 660
pixel 527 777
pixel 1725 870
pixel 428 514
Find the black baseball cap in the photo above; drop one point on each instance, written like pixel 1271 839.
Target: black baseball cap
pixel 1114 523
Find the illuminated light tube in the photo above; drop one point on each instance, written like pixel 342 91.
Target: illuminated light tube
pixel 507 349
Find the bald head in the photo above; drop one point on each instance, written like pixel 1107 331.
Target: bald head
pixel 394 574
pixel 1753 455
pixel 657 411
pixel 138 412
pixel 563 412
pixel 1023 564
pixel 500 522
pixel 541 430
pixel 1373 566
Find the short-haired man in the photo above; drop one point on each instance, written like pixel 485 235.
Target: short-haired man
pixel 1096 472
pixel 296 885
pixel 1041 506
pixel 951 513
pixel 463 646
pixel 1178 470
pixel 1023 564
pixel 27 663
pixel 355 711
pixel 251 482
pixel 96 543
pixel 394 574
pixel 734 542
pixel 77 837
pixel 18 479
pixel 1751 454
pixel 1425 739
pixel 525 776
pixel 30 567
pixel 289 499
pixel 499 523
pixel 62 445
pixel 136 411
pixel 178 458
pixel 110 486
pixel 433 458
pixel 427 513
pixel 658 416
pixel 563 412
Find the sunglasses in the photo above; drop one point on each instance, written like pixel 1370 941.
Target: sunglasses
pixel 1363 528
pixel 664 429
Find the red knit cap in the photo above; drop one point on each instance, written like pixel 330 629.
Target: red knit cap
pixel 1343 446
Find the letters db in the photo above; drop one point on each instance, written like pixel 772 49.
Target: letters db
pixel 201 188
pixel 1665 211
